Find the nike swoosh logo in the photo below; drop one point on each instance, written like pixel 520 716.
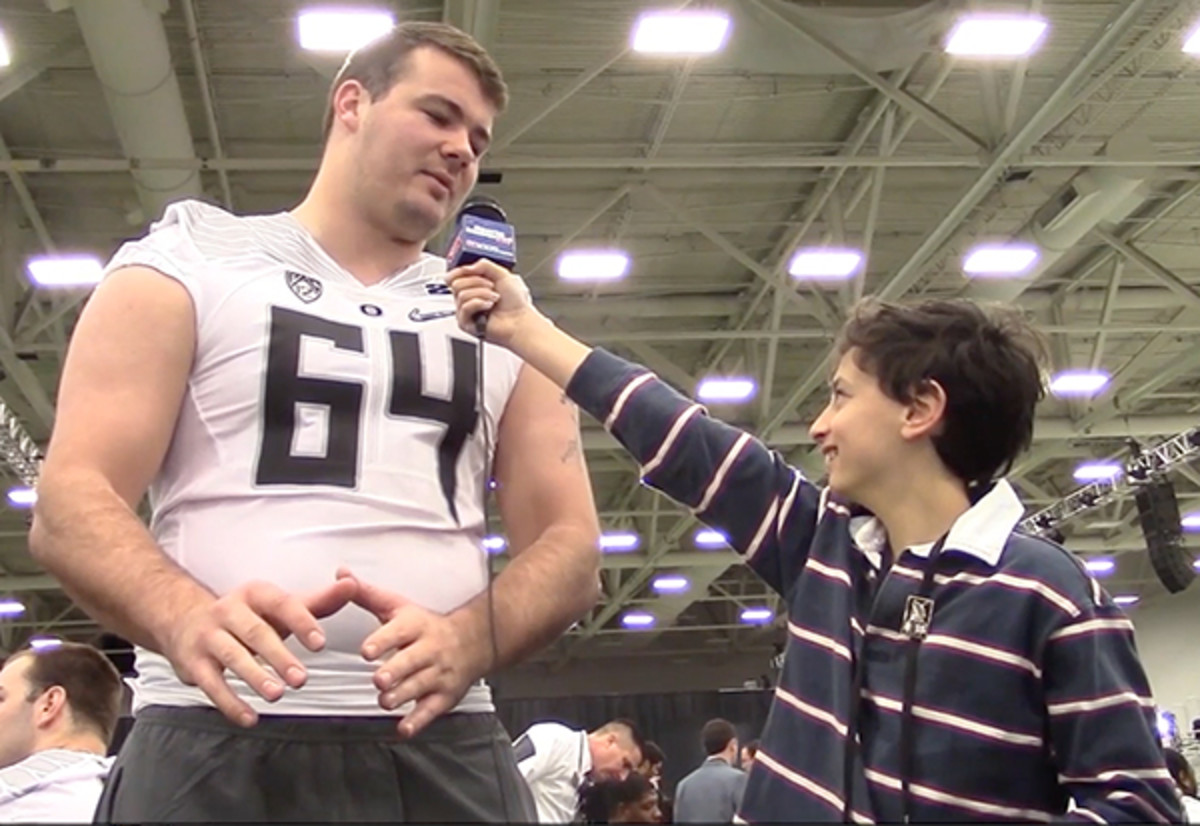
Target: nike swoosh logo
pixel 416 315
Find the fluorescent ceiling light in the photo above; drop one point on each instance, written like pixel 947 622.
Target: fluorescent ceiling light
pixel 1190 521
pixel 637 619
pixel 1125 599
pixel 65 270
pixel 1196 564
pixel 988 35
pixel 757 616
pixel 41 643
pixel 618 542
pixel 341 30
pixel 670 584
pixel 22 497
pixel 1006 259
pixel 1097 472
pixel 725 390
pixel 1104 525
pixel 1101 565
pixel 11 608
pixel 1192 44
pixel 1078 382
pixel 680 32
pixel 5 54
pixel 593 265
pixel 494 544
pixel 821 263
pixel 708 538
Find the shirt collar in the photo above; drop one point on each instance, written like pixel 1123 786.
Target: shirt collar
pixel 981 532
pixel 585 756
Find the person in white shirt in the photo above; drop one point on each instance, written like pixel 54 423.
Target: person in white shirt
pixel 58 709
pixel 556 760
pixel 317 438
pixel 1185 778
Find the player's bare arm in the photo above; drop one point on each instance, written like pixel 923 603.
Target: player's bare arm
pixel 552 580
pixel 122 387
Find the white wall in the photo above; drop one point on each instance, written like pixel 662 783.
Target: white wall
pixel 1168 639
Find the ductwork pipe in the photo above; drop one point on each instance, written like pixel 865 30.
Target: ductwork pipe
pixel 128 48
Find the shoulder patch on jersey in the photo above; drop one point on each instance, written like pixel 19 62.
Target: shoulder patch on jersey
pixel 306 288
pixel 437 288
pixel 523 749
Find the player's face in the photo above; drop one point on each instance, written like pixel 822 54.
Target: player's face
pixel 613 758
pixel 859 433
pixel 17 728
pixel 420 145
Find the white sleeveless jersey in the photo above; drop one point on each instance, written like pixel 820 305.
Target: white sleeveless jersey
pixel 325 423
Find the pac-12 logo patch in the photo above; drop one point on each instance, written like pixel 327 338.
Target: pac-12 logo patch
pixel 306 288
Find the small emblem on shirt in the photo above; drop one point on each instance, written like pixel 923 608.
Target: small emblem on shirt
pixel 437 288
pixel 417 315
pixel 918 614
pixel 306 288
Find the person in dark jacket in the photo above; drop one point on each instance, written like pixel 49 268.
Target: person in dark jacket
pixel 940 664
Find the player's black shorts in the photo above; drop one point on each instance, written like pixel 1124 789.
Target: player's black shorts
pixel 191 764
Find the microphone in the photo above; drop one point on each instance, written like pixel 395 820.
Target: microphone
pixel 482 231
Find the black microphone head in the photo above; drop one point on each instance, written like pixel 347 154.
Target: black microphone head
pixel 483 206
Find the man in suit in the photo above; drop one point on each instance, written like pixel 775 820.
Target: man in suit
pixel 713 792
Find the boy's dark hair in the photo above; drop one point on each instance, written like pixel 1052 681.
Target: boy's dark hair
pixel 716 735
pixel 988 361
pixel 652 753
pixel 598 801
pixel 380 63
pixel 752 747
pixel 92 684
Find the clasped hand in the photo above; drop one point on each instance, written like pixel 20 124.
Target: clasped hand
pixel 421 656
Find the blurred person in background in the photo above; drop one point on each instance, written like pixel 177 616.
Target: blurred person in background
pixel 58 709
pixel 632 800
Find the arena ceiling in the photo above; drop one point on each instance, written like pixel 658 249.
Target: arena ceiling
pixel 820 123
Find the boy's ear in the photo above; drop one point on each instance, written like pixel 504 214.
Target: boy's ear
pixel 923 416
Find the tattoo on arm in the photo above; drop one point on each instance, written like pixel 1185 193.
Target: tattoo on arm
pixel 571 451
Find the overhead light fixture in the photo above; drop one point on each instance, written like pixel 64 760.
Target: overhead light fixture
pixel 1192 44
pixel 22 497
pixel 1100 565
pixel 619 542
pixel 673 584
pixel 11 608
pixel 5 54
pixel 988 35
pixel 1125 599
pixel 42 643
pixel 680 32
pixel 1097 472
pixel 1104 525
pixel 756 616
pixel 341 30
pixel 821 263
pixel 1196 564
pixel 1000 259
pixel 65 270
pixel 495 544
pixel 593 265
pixel 1078 382
pixel 1190 521
pixel 637 619
pixel 709 538
pixel 726 390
